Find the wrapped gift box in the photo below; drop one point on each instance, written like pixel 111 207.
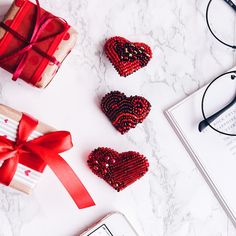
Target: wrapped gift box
pixel 27 146
pixel 52 42
pixel 25 178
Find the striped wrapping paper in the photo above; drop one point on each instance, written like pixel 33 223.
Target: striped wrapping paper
pixel 25 178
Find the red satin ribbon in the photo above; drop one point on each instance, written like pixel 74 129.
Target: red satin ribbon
pixel 41 22
pixel 45 148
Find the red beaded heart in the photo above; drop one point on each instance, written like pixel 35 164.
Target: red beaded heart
pixel 118 170
pixel 127 57
pixel 125 112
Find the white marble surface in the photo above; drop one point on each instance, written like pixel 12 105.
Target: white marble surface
pixel 172 199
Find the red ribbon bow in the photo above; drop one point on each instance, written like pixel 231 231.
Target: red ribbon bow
pixel 41 22
pixel 44 150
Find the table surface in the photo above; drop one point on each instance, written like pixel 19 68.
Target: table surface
pixel 173 198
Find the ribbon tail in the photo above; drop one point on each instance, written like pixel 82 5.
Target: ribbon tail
pixel 66 175
pixel 8 170
pixel 20 66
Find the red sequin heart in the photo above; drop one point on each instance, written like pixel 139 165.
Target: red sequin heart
pixel 125 112
pixel 127 57
pixel 118 169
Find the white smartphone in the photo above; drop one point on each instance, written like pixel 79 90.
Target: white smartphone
pixel 115 224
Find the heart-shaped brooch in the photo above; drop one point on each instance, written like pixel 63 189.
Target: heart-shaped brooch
pixel 117 169
pixel 127 57
pixel 125 112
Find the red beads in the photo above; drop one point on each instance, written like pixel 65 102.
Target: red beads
pixel 118 170
pixel 127 57
pixel 125 112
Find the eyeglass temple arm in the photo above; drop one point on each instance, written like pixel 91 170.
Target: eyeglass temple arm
pixel 204 123
pixel 230 3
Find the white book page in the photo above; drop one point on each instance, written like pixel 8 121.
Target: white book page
pixel 214 154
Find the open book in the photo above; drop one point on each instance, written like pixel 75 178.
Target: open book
pixel 213 153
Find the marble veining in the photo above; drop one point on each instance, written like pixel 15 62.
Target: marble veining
pixel 172 199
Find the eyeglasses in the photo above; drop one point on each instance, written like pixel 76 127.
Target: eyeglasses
pixel 222 121
pixel 221 28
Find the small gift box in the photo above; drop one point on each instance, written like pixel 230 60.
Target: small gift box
pixel 34 43
pixel 25 178
pixel 27 147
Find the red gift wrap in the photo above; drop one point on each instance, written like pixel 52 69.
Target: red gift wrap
pixel 36 152
pixel 34 43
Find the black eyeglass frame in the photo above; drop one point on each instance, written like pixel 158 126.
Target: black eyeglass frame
pixel 203 99
pixel 229 2
pixel 207 121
